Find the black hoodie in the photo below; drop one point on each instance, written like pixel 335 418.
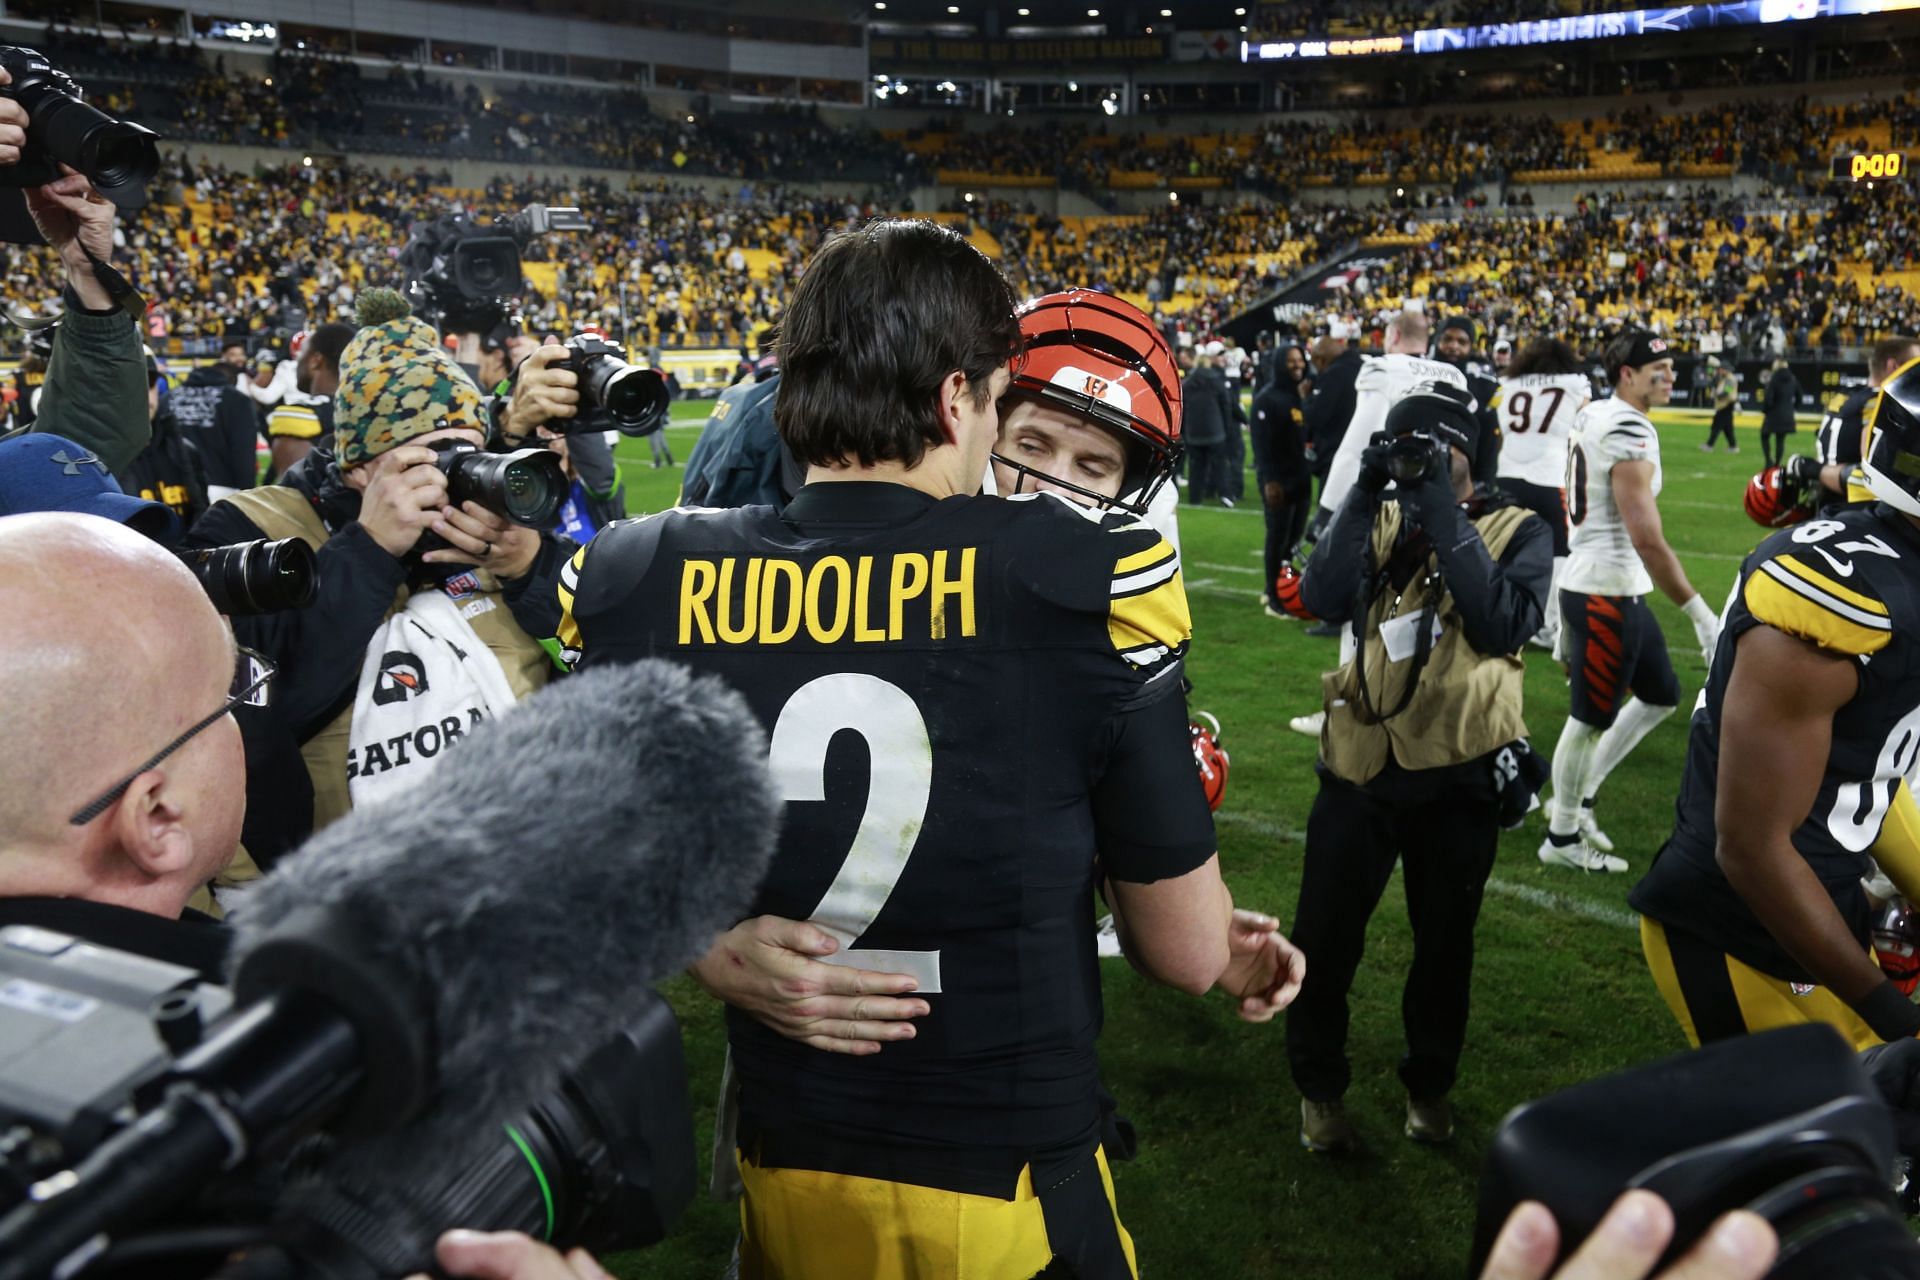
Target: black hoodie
pixel 219 419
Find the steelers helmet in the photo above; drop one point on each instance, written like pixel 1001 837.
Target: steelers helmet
pixel 1103 360
pixel 1890 442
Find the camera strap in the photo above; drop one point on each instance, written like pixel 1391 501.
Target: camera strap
pixel 118 287
pixel 1422 650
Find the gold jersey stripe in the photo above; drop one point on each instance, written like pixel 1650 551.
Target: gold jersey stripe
pixel 568 633
pixel 1807 573
pixel 1141 559
pixel 1157 617
pixel 1786 609
pixel 294 422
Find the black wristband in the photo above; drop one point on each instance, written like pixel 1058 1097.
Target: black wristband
pixel 1891 1015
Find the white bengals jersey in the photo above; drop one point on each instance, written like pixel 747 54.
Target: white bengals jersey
pixel 1601 560
pixel 1383 381
pixel 1536 416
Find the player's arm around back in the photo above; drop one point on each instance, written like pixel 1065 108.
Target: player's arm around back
pixel 1776 728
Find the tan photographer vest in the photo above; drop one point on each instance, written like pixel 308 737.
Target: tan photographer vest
pixel 1465 703
pixel 283 512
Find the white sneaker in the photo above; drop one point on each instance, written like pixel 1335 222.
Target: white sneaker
pixel 1106 942
pixel 1580 856
pixel 1309 725
pixel 1590 831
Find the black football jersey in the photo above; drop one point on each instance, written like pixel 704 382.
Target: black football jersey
pixel 1849 584
pixel 1838 439
pixel 974 710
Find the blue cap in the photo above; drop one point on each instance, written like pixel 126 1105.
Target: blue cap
pixel 52 473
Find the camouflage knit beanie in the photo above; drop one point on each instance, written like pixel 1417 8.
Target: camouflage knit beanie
pixel 397 382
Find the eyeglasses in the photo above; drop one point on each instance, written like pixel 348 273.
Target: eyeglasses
pixel 251 673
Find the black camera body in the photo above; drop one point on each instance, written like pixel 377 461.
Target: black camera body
pixel 461 274
pixel 613 393
pixel 118 156
pixel 93 1041
pixel 1785 1123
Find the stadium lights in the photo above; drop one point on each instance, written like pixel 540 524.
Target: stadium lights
pixel 1093 13
pixel 1026 13
pixel 307 162
pixel 1166 13
pixel 1110 106
pixel 1073 86
pixel 953 8
pixel 879 4
pixel 1173 197
pixel 1239 13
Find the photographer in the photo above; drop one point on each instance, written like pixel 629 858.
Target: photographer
pixel 95 382
pixel 103 630
pixel 1441 586
pixel 369 714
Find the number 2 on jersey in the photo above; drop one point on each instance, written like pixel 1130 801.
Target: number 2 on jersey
pixel 900 781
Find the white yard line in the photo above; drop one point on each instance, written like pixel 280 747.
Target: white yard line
pixel 1532 895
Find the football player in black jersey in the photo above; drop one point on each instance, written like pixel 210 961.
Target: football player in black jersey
pixel 1753 914
pixel 1833 471
pixel 974 713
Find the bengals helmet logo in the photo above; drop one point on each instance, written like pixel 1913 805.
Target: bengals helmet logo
pixel 1097 387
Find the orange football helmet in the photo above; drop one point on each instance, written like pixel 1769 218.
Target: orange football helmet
pixel 1773 501
pixel 1102 359
pixel 1209 757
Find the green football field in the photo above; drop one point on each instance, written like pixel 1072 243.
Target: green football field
pixel 1221 1186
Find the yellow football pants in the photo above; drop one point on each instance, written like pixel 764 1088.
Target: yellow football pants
pixel 1714 996
pixel 802 1224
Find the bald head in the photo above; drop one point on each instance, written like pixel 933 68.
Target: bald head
pixel 108 650
pixel 1407 334
pixel 1327 350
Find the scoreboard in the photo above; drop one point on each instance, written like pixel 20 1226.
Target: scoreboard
pixel 1870 166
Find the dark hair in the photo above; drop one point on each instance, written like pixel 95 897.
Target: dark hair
pixel 329 340
pixel 1618 353
pixel 1890 353
pixel 1542 356
pixel 879 319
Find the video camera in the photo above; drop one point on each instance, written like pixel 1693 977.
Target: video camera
pixel 118 156
pixel 461 274
pixel 139 1074
pixel 1785 1123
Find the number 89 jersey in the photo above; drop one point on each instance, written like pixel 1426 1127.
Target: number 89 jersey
pixel 1536 413
pixel 968 703
pixel 1851 587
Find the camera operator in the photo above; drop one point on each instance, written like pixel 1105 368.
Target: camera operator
pixel 125 784
pixel 552 394
pixel 94 382
pixel 1442 585
pixel 365 509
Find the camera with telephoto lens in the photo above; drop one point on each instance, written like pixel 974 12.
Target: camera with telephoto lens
pixel 526 486
pixel 117 156
pixel 1785 1123
pixel 613 393
pixel 1411 457
pixel 256 577
pixel 462 274
pixel 94 1042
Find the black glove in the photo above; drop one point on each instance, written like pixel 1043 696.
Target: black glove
pixel 1373 467
pixel 1430 499
pixel 1803 471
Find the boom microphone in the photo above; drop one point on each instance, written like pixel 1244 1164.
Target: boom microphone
pixel 443 956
